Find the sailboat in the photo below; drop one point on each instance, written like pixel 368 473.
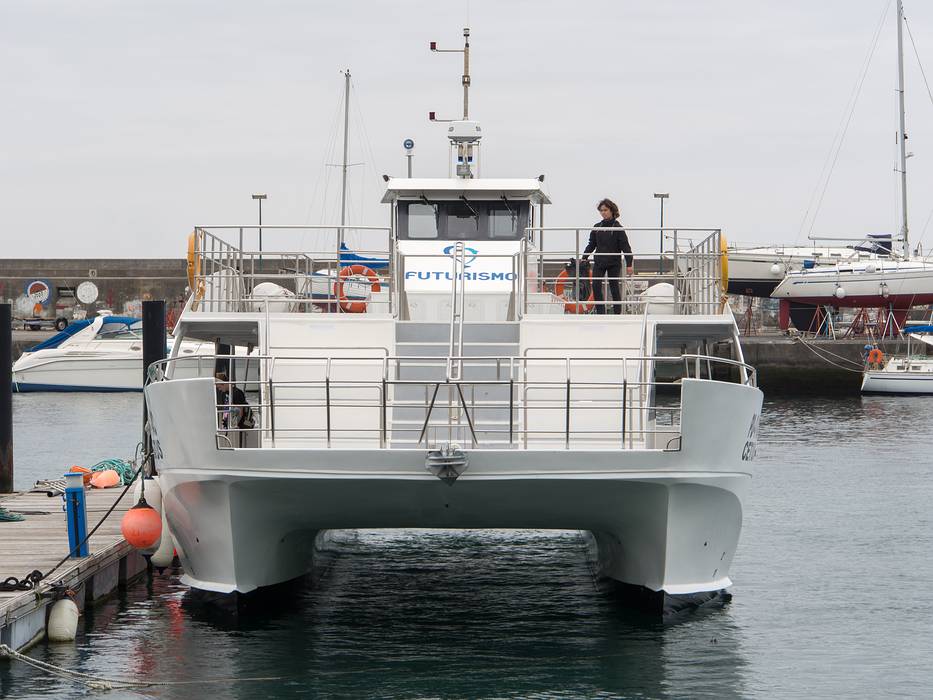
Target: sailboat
pixel 896 284
pixel 910 373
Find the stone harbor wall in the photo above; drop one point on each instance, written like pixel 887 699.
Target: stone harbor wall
pixel 51 288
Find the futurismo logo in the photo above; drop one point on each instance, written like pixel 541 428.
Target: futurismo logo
pixel 469 254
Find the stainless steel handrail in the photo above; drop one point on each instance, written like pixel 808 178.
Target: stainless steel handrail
pixel 639 418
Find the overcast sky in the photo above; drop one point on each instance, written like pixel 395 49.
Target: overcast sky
pixel 125 123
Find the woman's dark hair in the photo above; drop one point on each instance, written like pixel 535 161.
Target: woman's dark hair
pixel 613 207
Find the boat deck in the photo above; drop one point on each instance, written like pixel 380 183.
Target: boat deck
pixel 41 540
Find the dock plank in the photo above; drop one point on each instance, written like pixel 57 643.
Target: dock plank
pixel 41 540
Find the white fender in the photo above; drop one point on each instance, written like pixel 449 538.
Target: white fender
pixel 165 552
pixel 63 621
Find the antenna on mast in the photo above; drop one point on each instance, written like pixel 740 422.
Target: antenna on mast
pixel 464 134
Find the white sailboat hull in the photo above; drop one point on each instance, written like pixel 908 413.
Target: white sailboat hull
pixel 900 382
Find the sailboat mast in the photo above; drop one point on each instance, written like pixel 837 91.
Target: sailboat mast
pixel 902 133
pixel 346 129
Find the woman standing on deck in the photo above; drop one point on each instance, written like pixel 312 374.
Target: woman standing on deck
pixel 609 247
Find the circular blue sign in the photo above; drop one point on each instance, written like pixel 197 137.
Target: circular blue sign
pixel 408 144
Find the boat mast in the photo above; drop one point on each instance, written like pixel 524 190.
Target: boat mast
pixel 346 129
pixel 902 132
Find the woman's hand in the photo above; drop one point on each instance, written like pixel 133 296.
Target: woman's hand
pixel 630 270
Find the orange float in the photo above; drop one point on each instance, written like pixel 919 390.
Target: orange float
pixel 141 525
pixel 105 479
pixel 574 307
pixel 355 307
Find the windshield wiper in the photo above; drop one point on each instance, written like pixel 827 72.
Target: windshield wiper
pixel 506 200
pixel 470 207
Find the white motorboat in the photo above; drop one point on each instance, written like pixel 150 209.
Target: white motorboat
pixel 100 354
pixel 464 391
pixel 911 373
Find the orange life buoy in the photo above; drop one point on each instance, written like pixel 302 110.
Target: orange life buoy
pixel 876 357
pixel 355 307
pixel 574 307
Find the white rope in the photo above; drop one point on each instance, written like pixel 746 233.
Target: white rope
pixel 104 683
pixel 827 360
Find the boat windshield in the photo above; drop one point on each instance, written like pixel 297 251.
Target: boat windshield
pixel 464 219
pixel 120 330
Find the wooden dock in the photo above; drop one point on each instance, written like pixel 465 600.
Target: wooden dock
pixel 41 540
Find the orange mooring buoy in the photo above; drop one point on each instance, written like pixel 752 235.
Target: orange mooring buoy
pixel 141 525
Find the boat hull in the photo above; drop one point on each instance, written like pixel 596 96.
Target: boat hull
pixel 667 520
pixel 78 372
pixel 882 382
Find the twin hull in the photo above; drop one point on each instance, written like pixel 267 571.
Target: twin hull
pixel 663 520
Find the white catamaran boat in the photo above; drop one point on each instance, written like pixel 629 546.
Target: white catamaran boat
pixel 463 392
pixel 911 373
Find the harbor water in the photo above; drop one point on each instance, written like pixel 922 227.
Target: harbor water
pixel 832 592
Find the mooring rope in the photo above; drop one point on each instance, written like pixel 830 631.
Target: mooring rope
pixel 31 581
pixel 813 349
pixel 105 683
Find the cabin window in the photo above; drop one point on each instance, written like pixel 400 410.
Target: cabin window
pixel 473 219
pixel 503 221
pixel 422 220
pixel 462 220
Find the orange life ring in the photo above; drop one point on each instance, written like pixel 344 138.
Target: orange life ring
pixel 355 307
pixel 875 357
pixel 574 307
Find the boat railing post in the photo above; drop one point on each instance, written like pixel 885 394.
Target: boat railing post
pixel 576 263
pixel 567 409
pixel 327 398
pixel 676 273
pixel 624 408
pixel 383 426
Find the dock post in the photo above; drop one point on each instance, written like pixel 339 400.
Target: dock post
pixel 77 515
pixel 153 351
pixel 6 399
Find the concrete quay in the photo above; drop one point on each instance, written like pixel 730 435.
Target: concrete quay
pixel 41 540
pixel 789 365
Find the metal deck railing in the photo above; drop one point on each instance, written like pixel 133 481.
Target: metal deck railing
pixel 226 277
pixel 513 402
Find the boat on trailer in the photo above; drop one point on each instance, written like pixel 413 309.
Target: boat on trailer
pixel 464 391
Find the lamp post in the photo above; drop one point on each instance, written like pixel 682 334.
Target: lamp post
pixel 259 197
pixel 662 196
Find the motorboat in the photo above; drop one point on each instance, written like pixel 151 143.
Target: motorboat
pixel 464 391
pixel 910 373
pixel 100 354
